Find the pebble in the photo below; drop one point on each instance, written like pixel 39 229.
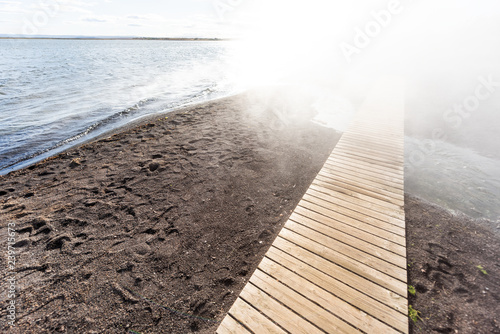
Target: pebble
pixel 75 163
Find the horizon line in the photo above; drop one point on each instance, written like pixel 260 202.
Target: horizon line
pixel 14 36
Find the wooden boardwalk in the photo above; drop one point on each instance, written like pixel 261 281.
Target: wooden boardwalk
pixel 339 264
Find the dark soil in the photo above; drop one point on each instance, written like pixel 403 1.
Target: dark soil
pixel 156 229
pixel 453 295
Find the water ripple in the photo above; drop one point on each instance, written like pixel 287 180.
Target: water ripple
pixel 55 94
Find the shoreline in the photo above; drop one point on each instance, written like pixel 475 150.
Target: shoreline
pixel 127 126
pixel 157 227
pixel 86 38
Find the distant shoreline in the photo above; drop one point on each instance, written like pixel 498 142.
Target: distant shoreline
pixel 126 38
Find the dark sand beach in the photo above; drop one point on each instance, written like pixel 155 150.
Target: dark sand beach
pixel 156 229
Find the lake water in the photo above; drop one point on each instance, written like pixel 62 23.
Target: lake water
pixel 58 93
pixel 454 177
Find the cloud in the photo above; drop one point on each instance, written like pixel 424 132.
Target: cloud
pixel 98 19
pixel 11 7
pixel 10 3
pixel 76 3
pixel 127 20
pixel 74 9
pixel 75 6
pixel 146 17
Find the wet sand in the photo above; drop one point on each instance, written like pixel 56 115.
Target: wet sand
pixel 157 229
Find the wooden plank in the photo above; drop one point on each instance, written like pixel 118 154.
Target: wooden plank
pixel 360 178
pixel 325 299
pixel 392 161
pixel 349 236
pixel 398 193
pixel 280 314
pixel 391 241
pixel 382 130
pixel 369 146
pixel 301 305
pixel 384 194
pixel 372 137
pixel 394 141
pixel 369 170
pixel 397 175
pixel 372 192
pixel 385 132
pixel 360 300
pixel 350 278
pixel 313 201
pixel 371 149
pixel 370 209
pixel 348 263
pixel 350 241
pixel 391 165
pixel 383 201
pixel 385 117
pixel 388 137
pixel 367 151
pixel 362 174
pixel 231 326
pixel 397 271
pixel 362 195
pixel 370 165
pixel 397 145
pixel 380 158
pixel 360 140
pixel 368 190
pixel 355 218
pixel 394 167
pixel 252 319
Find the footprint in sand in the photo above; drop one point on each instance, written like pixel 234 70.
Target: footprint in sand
pixel 153 166
pixel 21 243
pixel 58 241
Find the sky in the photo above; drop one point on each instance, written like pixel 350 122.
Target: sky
pixel 218 18
pixel 149 18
